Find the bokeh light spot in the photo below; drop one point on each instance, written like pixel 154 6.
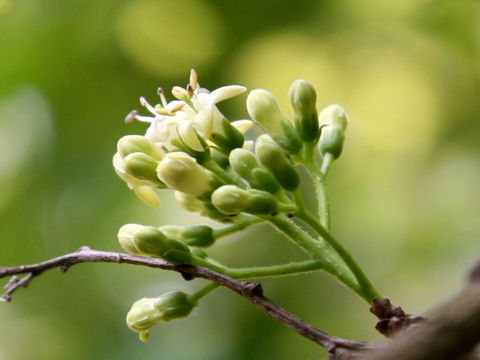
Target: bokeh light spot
pixel 169 37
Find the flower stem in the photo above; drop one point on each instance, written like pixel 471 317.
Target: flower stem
pixel 368 290
pixel 244 222
pixel 197 295
pixel 225 176
pixel 318 249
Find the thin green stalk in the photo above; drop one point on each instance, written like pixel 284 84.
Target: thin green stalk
pixel 244 222
pixel 225 176
pixel 367 288
pixel 272 271
pixel 318 177
pixel 276 271
pixel 319 251
pixel 197 295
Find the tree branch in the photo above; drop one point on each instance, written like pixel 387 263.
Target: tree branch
pixel 252 291
pixel 450 334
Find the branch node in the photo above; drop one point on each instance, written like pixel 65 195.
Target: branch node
pixel 252 288
pixel 392 318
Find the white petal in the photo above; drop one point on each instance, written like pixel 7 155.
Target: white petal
pixel 189 136
pixel 204 121
pixel 242 125
pixel 226 92
pixel 147 194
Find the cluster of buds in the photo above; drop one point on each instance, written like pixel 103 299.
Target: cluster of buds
pixel 192 149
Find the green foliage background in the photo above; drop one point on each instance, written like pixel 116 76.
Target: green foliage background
pixel 405 192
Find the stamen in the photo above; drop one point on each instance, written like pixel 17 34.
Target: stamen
pixel 193 79
pixel 189 91
pixel 161 93
pixel 179 93
pixel 177 107
pixel 164 111
pixel 145 103
pixel 131 116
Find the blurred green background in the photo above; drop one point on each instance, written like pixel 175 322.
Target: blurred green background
pixel 405 193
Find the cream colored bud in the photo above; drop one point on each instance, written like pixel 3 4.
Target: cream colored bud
pixel 265 111
pixel 181 172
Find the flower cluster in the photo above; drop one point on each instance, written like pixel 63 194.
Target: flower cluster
pixel 191 148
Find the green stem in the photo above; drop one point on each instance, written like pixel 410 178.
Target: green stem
pixel 225 176
pixel 368 290
pixel 197 295
pixel 275 271
pixel 319 251
pixel 244 222
pixel 326 163
pixel 318 177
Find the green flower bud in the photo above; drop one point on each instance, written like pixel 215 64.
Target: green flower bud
pixel 135 143
pixel 334 115
pixel 331 140
pixel 125 238
pixel 199 252
pixel 265 111
pixel 152 242
pixel 142 166
pixel 231 200
pixel 147 312
pixel 333 122
pixel 194 235
pixel 247 166
pixel 303 98
pixel 181 172
pixel 274 159
pixel 142 188
pixel 198 235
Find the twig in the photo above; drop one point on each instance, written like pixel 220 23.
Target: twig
pixel 451 334
pixel 249 290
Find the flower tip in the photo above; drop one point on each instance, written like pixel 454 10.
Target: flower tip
pixel 193 79
pixel 131 116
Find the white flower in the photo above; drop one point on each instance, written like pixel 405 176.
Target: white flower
pixel 195 111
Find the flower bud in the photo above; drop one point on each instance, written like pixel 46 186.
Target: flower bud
pixel 231 200
pixel 334 115
pixel 135 143
pixel 142 166
pixel 147 194
pixel 265 111
pixel 188 202
pixel 194 235
pixel 331 140
pixel 152 242
pixel 142 188
pixel 226 136
pixel 274 159
pixel 247 166
pixel 303 98
pixel 333 122
pixel 181 172
pixel 125 238
pixel 198 235
pixel 147 312
pixel 190 137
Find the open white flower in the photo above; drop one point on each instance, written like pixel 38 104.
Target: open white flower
pixel 195 111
